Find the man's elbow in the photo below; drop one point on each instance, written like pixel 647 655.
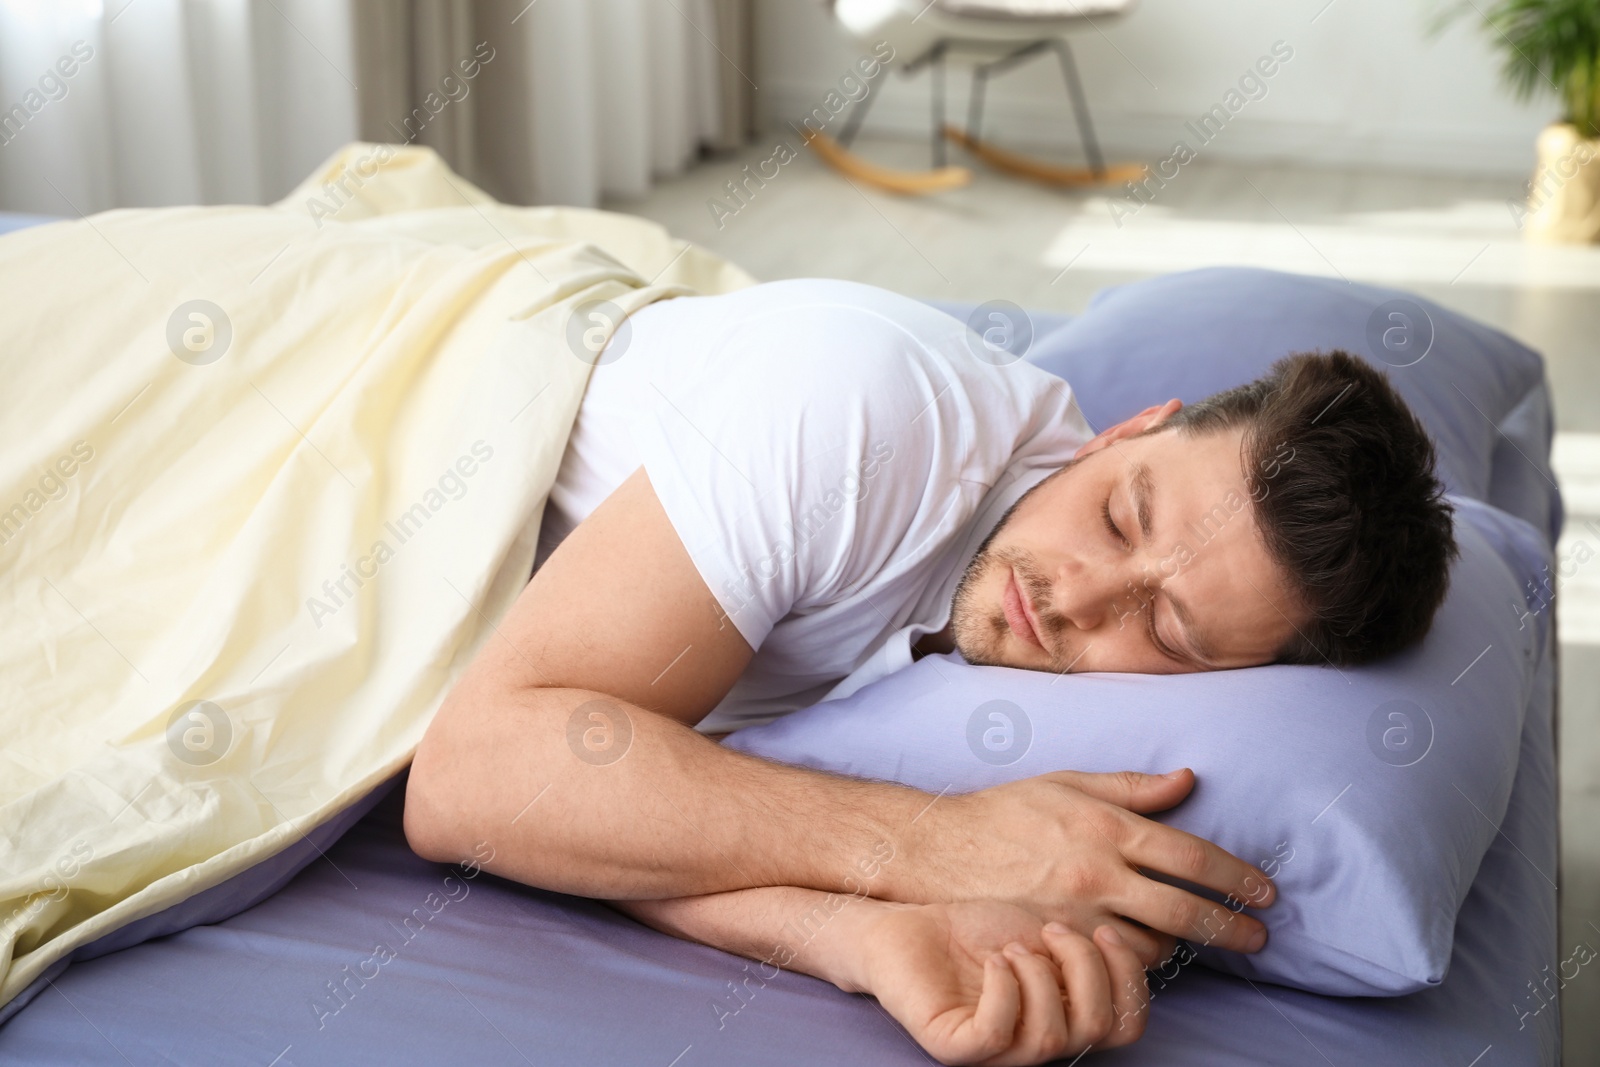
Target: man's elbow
pixel 432 826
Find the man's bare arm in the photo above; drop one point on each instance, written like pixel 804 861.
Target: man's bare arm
pixel 676 815
pixel 567 743
pixel 567 746
pixel 976 981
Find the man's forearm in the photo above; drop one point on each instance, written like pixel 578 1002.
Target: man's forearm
pixel 785 927
pixel 582 793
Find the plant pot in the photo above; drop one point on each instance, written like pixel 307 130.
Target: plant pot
pixel 1564 196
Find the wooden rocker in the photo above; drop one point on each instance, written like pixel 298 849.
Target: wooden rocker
pixel 1001 34
pixel 1049 173
pixel 904 182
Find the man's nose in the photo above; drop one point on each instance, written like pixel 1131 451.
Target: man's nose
pixel 1090 594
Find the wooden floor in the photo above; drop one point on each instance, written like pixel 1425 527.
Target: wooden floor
pixel 1451 239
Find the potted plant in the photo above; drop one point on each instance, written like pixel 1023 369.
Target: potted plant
pixel 1554 45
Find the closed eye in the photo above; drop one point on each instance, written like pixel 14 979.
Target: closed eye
pixel 1155 638
pixel 1105 513
pixel 1146 607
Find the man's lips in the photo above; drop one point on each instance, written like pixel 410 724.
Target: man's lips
pixel 1018 617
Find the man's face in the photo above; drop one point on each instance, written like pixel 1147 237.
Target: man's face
pixel 1177 581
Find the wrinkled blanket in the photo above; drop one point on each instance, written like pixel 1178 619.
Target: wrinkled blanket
pixel 268 475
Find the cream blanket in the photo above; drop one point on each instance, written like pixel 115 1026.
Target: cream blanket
pixel 267 478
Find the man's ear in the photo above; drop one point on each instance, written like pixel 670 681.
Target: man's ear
pixel 1128 427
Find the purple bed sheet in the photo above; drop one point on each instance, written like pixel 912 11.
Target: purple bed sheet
pixel 483 970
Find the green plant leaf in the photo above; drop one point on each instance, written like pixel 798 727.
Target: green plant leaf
pixel 1546 46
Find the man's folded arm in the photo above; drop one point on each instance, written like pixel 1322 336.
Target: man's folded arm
pixel 674 815
pixel 567 746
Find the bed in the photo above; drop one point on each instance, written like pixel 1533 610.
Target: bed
pixel 507 974
pixel 277 966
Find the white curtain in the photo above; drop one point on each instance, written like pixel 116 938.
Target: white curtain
pixel 114 103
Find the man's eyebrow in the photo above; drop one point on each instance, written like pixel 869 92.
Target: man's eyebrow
pixel 1140 488
pixel 1199 647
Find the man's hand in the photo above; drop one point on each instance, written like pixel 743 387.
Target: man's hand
pixel 1069 847
pixel 986 983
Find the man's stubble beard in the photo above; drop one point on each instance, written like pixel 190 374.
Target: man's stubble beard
pixel 978 633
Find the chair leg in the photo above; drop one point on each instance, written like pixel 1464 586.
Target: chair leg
pixel 1080 107
pixel 980 81
pixel 858 114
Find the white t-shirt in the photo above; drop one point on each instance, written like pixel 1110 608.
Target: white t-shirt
pixel 831 455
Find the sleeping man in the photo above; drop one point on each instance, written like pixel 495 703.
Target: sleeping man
pixel 778 495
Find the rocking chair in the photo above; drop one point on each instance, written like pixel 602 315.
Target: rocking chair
pixel 996 36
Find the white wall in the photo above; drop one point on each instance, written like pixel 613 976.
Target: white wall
pixel 1368 84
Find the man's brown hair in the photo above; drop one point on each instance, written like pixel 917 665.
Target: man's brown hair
pixel 1355 517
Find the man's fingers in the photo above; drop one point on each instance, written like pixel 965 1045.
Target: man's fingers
pixel 1163 848
pixel 1130 994
pixel 1194 918
pixel 1042 1034
pixel 995 1019
pixel 1130 789
pixel 1151 946
pixel 1087 984
pixel 1194 859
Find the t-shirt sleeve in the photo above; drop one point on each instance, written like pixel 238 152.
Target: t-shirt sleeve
pixel 798 461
